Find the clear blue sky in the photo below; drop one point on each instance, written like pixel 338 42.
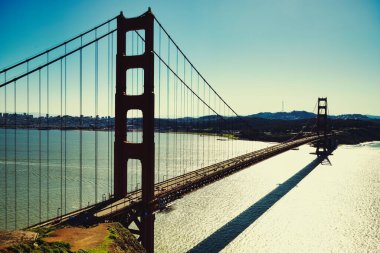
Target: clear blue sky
pixel 255 53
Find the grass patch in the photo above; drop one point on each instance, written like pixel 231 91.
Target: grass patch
pixel 43 231
pixel 112 234
pixel 41 247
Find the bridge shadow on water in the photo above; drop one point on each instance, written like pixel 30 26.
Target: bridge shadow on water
pixel 227 233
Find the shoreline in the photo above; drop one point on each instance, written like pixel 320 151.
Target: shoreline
pixel 262 138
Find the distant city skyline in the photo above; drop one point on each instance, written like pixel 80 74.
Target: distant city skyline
pixel 256 54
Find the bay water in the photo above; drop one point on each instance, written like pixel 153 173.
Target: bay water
pixel 293 202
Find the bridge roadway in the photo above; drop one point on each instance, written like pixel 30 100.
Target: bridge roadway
pixel 174 188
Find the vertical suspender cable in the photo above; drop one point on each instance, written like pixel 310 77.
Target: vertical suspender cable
pixel 217 126
pixel 220 127
pixel 198 118
pixel 187 128
pixel 39 144
pixel 61 134
pixel 168 111
pixel 188 114
pixel 227 130
pixel 218 150
pixel 28 141
pixel 81 125
pixel 210 119
pixel 47 140
pixel 214 130
pixel 112 85
pixel 174 166
pixel 137 92
pixel 191 119
pixel 159 106
pixel 108 112
pixel 65 122
pixel 142 90
pixel 182 117
pixel 204 123
pixel 174 153
pixel 5 154
pixel 224 131
pixel 96 118
pixel 233 131
pixel 185 119
pixel 175 112
pixel 15 150
pixel 181 120
pixel 222 146
pixel 218 122
pixel 136 114
pixel 207 137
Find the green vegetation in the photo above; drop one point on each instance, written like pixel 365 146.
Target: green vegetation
pixel 103 248
pixel 44 231
pixel 123 240
pixel 40 246
pixel 112 234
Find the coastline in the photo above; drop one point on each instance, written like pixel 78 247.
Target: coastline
pixel 268 138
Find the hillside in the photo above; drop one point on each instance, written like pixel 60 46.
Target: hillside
pixel 349 131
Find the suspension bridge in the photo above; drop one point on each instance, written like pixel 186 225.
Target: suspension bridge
pixel 116 123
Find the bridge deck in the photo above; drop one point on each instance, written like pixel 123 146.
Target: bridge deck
pixel 176 187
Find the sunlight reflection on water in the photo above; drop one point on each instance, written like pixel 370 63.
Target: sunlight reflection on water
pixel 334 208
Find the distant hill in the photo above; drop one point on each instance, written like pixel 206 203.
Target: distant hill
pixel 373 117
pixel 209 117
pixel 297 115
pixel 293 115
pixel 351 116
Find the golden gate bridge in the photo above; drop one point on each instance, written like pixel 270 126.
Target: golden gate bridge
pixel 114 124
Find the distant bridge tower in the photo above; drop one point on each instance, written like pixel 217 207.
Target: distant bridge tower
pixel 142 215
pixel 324 144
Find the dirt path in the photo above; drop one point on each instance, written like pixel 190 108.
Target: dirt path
pixel 80 238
